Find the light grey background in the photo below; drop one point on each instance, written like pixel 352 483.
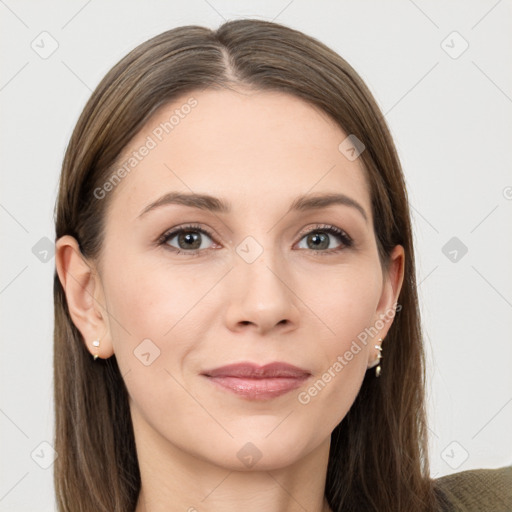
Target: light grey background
pixel 450 115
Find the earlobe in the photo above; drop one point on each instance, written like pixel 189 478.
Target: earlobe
pixel 82 287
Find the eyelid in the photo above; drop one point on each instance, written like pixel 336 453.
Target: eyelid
pixel 324 227
pixel 347 241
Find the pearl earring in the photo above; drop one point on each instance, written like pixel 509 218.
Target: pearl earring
pixel 96 343
pixel 379 357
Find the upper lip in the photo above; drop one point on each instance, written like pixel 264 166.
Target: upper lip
pixel 251 370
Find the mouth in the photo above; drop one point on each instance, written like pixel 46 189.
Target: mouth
pixel 254 382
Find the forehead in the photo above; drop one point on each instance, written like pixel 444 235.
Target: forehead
pixel 243 145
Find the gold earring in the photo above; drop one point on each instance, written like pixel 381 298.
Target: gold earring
pixel 96 343
pixel 379 357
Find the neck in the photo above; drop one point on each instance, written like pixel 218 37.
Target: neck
pixel 175 480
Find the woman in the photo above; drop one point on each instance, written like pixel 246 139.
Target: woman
pixel 236 317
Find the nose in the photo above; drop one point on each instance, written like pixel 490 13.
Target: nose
pixel 262 297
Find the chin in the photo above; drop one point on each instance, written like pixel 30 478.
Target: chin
pixel 261 452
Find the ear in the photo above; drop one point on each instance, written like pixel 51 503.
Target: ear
pixel 84 295
pixel 386 309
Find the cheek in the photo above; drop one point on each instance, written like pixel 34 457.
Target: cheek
pixel 345 300
pixel 345 360
pixel 156 301
pixel 150 309
pixel 150 298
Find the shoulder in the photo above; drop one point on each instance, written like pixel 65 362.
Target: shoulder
pixel 476 490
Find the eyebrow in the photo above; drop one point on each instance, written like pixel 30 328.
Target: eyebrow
pixel 214 204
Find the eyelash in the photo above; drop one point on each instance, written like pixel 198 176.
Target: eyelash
pixel 345 239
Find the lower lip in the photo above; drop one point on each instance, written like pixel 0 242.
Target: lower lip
pixel 259 389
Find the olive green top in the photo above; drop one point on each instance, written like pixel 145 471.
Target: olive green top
pixel 476 490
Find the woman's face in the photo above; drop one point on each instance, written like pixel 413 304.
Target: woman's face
pixel 257 276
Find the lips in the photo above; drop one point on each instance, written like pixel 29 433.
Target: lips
pixel 254 382
pixel 253 371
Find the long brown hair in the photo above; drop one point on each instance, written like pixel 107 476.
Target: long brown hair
pixel 378 456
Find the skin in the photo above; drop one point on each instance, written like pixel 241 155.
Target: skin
pixel 258 151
